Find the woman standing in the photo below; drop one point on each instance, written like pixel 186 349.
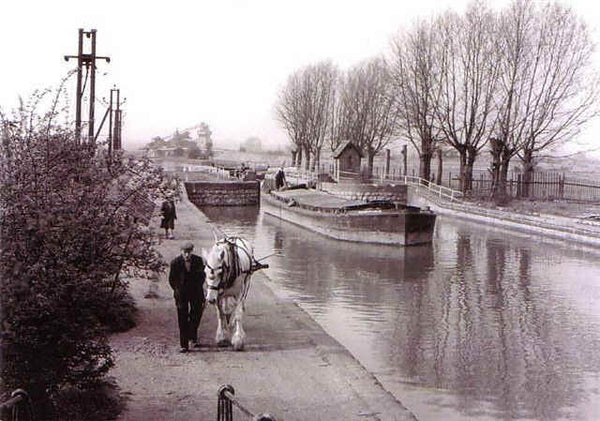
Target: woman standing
pixel 169 215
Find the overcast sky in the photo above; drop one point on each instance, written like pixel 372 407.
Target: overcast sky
pixel 223 62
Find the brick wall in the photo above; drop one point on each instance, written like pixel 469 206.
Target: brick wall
pixel 223 193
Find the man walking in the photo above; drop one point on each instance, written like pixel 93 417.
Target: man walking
pixel 186 277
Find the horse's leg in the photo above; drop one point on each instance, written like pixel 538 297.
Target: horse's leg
pixel 238 329
pixel 222 327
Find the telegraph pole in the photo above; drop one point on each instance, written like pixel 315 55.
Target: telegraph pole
pixel 117 129
pixel 115 120
pixel 110 122
pixel 89 61
pixel 118 126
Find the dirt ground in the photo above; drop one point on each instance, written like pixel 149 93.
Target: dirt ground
pixel 560 208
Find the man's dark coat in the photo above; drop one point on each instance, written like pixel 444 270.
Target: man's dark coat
pixel 186 284
pixel 189 296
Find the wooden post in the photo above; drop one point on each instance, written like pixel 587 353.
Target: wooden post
pixel 481 185
pixel 387 163
pixel 512 179
pixel 561 186
pixel 404 158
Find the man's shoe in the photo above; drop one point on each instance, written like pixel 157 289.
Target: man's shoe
pixel 183 350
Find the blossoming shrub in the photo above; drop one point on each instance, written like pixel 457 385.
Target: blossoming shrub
pixel 72 227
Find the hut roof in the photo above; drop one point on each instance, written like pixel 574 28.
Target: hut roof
pixel 343 146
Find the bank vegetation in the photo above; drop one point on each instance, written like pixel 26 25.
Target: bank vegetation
pixel 73 226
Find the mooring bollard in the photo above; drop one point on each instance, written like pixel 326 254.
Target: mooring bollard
pixel 225 406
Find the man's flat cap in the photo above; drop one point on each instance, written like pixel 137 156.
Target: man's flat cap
pixel 187 247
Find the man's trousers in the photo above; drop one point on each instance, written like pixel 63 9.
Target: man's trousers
pixel 189 313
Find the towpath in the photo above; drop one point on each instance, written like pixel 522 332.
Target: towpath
pixel 290 368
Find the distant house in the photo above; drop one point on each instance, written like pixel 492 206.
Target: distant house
pixel 347 158
pixel 166 152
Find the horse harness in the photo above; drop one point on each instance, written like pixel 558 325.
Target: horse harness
pixel 230 271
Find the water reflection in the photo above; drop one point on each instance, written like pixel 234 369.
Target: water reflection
pixel 483 324
pixel 326 265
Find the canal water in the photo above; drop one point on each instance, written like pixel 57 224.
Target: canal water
pixel 484 324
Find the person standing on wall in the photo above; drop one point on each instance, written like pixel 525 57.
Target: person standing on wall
pixel 280 178
pixel 169 215
pixel 186 277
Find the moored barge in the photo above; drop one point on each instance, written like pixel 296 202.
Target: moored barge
pixel 379 221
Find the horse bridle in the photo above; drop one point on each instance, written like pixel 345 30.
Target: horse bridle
pixel 224 268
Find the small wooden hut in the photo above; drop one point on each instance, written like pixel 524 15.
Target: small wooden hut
pixel 347 158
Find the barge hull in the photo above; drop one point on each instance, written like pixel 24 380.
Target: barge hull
pixel 368 226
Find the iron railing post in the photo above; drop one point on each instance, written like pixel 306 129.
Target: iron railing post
pixel 225 404
pixel 20 406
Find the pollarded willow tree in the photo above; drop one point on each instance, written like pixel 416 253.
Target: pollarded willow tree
pixel 320 88
pixel 467 73
pixel 366 112
pixel 515 32
pixel 288 112
pixel 341 115
pixel 564 87
pixel 548 89
pixel 415 86
pixel 305 107
pixel 73 223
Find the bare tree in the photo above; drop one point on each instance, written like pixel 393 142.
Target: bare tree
pixel 545 94
pixel 320 89
pixel 341 114
pixel 468 74
pixel 305 108
pixel 412 64
pixel 563 89
pixel 367 108
pixel 515 32
pixel 289 112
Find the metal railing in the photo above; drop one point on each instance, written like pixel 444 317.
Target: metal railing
pixel 225 407
pixel 432 188
pixel 19 405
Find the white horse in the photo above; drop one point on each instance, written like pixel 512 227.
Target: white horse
pixel 228 266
